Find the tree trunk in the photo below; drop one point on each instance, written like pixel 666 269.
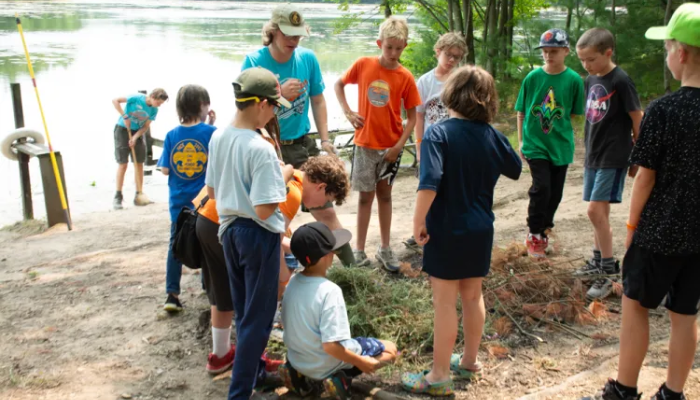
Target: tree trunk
pixel 459 21
pixel 387 8
pixel 492 42
pixel 469 34
pixel 503 37
pixel 450 15
pixel 668 77
pixel 569 14
pixel 612 14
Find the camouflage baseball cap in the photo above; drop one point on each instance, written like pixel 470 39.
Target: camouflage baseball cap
pixel 684 26
pixel 260 83
pixel 290 21
pixel 554 38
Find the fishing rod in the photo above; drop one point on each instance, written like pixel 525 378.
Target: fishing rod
pixel 59 182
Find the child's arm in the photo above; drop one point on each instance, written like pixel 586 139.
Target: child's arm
pixel 420 128
pixel 355 119
pixel 393 152
pixel 117 103
pixel 366 364
pixel 636 123
pixel 139 133
pixel 643 185
pixel 318 108
pixel 287 172
pixel 210 192
pixel 424 200
pixel 520 120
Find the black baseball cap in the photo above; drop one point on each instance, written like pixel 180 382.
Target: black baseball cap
pixel 554 38
pixel 313 241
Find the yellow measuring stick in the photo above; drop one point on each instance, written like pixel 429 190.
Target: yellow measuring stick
pixel 59 182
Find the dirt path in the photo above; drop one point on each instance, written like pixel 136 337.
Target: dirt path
pixel 80 311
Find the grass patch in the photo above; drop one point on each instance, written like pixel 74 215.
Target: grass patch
pixel 26 228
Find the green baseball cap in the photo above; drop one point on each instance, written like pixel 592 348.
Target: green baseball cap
pixel 258 82
pixel 290 21
pixel 683 27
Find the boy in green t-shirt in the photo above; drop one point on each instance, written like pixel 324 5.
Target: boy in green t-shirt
pixel 548 98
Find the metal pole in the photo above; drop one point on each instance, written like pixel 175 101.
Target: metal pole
pixel 22 159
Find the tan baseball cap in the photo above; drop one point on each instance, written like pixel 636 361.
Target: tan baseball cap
pixel 260 83
pixel 290 21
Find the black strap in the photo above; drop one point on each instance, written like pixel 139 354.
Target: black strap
pixel 204 201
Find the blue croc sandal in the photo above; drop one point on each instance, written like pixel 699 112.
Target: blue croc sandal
pixel 416 383
pixel 463 373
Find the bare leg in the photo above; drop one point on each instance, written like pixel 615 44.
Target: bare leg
pixel 121 172
pixel 384 208
pixel 634 341
pixel 364 212
pixel 221 319
pixel 599 214
pixel 681 349
pixel 474 316
pixel 328 216
pixel 445 330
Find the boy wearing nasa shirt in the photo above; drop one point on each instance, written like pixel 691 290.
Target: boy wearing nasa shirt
pixel 613 115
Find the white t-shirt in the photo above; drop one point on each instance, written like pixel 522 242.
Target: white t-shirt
pixel 430 89
pixel 245 172
pixel 313 313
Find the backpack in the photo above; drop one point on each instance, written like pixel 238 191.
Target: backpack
pixel 186 247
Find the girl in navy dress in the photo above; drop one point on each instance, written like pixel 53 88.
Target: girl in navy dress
pixel 462 159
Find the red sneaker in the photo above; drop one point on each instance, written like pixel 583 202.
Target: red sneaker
pixel 270 364
pixel 536 248
pixel 216 365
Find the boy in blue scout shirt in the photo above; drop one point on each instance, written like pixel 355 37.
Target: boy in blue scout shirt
pixel 184 161
pixel 137 116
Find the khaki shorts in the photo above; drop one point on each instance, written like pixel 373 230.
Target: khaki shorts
pixel 369 168
pixel 122 151
pixel 299 150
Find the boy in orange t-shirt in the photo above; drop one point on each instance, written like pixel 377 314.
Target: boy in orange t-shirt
pixel 384 85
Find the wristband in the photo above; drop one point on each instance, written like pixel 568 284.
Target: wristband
pixel 631 227
pixel 419 141
pixel 125 116
pixel 325 141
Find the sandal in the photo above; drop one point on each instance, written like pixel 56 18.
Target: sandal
pixel 416 383
pixel 463 373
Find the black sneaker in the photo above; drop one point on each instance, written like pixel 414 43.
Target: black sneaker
pixel 661 396
pixel 117 202
pixel 610 392
pixel 172 304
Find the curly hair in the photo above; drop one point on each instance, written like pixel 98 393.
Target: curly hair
pixel 330 170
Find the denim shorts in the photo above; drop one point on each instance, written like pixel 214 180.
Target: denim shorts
pixel 606 184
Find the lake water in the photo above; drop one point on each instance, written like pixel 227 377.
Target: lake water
pixel 85 53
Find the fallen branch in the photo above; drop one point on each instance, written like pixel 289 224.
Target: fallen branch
pixel 375 392
pixel 520 328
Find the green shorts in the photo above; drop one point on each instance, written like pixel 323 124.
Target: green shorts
pixel 297 151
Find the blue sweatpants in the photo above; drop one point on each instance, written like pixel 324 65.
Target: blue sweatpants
pixel 253 261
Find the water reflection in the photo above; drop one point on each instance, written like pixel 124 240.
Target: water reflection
pixel 86 52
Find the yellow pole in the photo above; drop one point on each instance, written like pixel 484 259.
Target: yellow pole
pixel 59 183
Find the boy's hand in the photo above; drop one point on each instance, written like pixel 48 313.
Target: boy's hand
pixel 328 147
pixel 132 141
pixel 392 154
pixel 291 89
pixel 522 156
pixel 633 171
pixel 420 233
pixel 369 365
pixel 357 120
pixel 212 117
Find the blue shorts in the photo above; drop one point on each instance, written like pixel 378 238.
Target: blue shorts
pixel 605 184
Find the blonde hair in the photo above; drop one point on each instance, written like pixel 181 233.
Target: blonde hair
pixel 471 91
pixel 394 28
pixel 450 40
pixel 694 51
pixel 268 32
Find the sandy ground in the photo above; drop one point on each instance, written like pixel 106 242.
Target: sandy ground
pixel 80 311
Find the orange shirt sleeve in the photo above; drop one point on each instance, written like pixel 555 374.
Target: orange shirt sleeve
pixel 351 76
pixel 290 207
pixel 411 96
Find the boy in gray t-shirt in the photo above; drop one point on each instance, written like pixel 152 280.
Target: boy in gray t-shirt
pixel 320 350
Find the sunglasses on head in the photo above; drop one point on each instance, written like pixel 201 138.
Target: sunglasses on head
pixel 257 99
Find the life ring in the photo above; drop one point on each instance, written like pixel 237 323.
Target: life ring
pixel 32 135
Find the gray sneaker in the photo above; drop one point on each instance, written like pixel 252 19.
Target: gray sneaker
pixel 361 259
pixel 601 289
pixel 388 260
pixel 590 268
pixel 117 203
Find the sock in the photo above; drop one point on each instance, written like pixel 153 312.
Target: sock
pixel 669 394
pixel 221 340
pixel 625 391
pixel 119 194
pixel 608 265
pixel 537 236
pixel 345 255
pixel 597 256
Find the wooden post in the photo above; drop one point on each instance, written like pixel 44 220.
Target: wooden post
pixel 22 159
